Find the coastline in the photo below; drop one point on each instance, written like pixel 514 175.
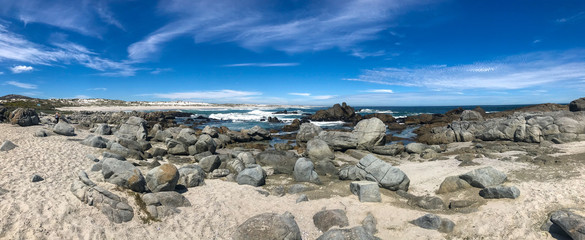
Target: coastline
pixel 113 108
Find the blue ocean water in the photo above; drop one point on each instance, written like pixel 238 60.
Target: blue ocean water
pixel 237 119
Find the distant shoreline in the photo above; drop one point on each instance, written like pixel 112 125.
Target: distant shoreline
pixel 169 107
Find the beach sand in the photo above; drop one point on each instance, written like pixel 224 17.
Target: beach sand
pixel 48 210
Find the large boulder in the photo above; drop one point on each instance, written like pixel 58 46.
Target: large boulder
pixel 307 132
pixel 95 141
pixel 373 169
pixel 304 171
pixel 484 177
pixel 191 176
pixel 135 128
pixel 318 150
pixel 339 141
pixel 571 221
pixel 175 147
pixel 162 204
pixel 247 158
pixel 187 136
pixel 338 112
pixel 269 226
pixel 253 175
pixel 283 162
pixel 326 219
pixel 500 192
pixel 204 143
pixel 162 178
pixel 452 184
pixel 577 105
pixel 24 117
pixel 370 132
pixel 63 128
pixel 123 174
pixel 103 129
pixel 470 115
pixel 210 163
pixel 210 131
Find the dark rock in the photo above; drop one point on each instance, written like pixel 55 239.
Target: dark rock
pixel 434 222
pixel 268 226
pixel 500 192
pixel 294 126
pixel 337 113
pixel 7 146
pixel 571 221
pixel 577 105
pixel 37 178
pixel 210 163
pixel 24 117
pixel 326 219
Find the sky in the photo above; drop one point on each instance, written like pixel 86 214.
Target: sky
pixel 318 52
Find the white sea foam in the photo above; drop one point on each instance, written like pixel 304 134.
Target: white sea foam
pixel 367 110
pixel 253 115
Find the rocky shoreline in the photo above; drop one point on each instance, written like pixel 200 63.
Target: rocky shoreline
pixel 149 165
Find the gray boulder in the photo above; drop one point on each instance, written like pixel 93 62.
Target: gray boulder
pixel 577 105
pixel 162 178
pixel 95 141
pixel 269 226
pixel 283 162
pixel 434 222
pixel 24 117
pixel 469 115
pixel 339 141
pixel 212 132
pixel 191 176
pixel 258 133
pixel 205 143
pixel 235 165
pixel 373 169
pixel 162 136
pixel 135 128
pixel 162 204
pixel 571 221
pixel 500 192
pixel 63 128
pixel 304 171
pixel 307 132
pixel 187 136
pixel 426 202
pixel 123 174
pixel 247 158
pixel 113 155
pixel 124 151
pixel 389 150
pixel 175 147
pixel 318 150
pixel 417 148
pixel 484 177
pixel 370 132
pixel 452 184
pixel 7 146
pixel 103 129
pixel 253 175
pixel 210 163
pixel 366 191
pixel 326 219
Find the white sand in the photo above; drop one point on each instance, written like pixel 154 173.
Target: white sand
pixel 47 209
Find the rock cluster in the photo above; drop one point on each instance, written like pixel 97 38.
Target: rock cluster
pixel 373 169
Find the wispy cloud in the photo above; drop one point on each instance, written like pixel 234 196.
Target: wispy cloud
pixel 363 54
pixel 97 89
pixel 161 70
pixel 379 91
pixel 17 48
pixel 254 24
pixel 316 97
pixel 22 85
pixel 21 69
pixel 262 65
pixel 575 17
pixel 300 94
pixel 516 72
pixel 1 73
pixel 324 97
pixel 205 95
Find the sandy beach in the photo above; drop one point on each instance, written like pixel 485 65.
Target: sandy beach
pixel 48 210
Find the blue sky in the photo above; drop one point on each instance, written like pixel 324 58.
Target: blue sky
pixel 364 52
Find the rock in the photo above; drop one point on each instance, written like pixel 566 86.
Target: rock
pixel 469 115
pixel 113 155
pixel 318 150
pixel 158 152
pixel 187 136
pixel 283 162
pixel 355 233
pixel 302 198
pixel 370 132
pixel 326 219
pixel 253 175
pixel 219 173
pixel 7 146
pixel 41 133
pixel 162 178
pixel 417 148
pixel 571 221
pixel 124 151
pixel 283 146
pixel 337 113
pixel 500 192
pixel 115 208
pixel 304 171
pixel 37 178
pixel 326 167
pixel 434 222
pixel 577 105
pixel 162 204
pixel 123 174
pixel 246 158
pixel 212 132
pixel 461 204
pixel 175 147
pixel 162 136
pixel 307 132
pixel 63 128
pixel 369 223
pixel 103 129
pixel 135 128
pixel 339 141
pixel 24 117
pixel 210 163
pixel 452 184
pixel 235 165
pixel 389 150
pixel 268 226
pixel 134 145
pixel 426 202
pixel 260 132
pixel 294 126
pixel 366 191
pixel 191 176
pixel 204 144
pixel 373 169
pixel 95 141
pixel 484 177
pixel 298 188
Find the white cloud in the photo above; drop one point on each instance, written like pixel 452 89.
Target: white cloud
pixel 300 94
pixel 22 85
pixel 1 73
pixel 16 48
pixel 21 69
pixel 324 97
pixel 380 91
pixel 363 54
pixel 253 24
pixel 160 70
pixel 206 95
pixel 516 72
pixel 262 65
pixel 97 89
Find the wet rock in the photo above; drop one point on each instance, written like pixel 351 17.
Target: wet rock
pixel 326 219
pixel 484 177
pixel 162 178
pixel 500 192
pixel 268 226
pixel 366 191
pixel 434 222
